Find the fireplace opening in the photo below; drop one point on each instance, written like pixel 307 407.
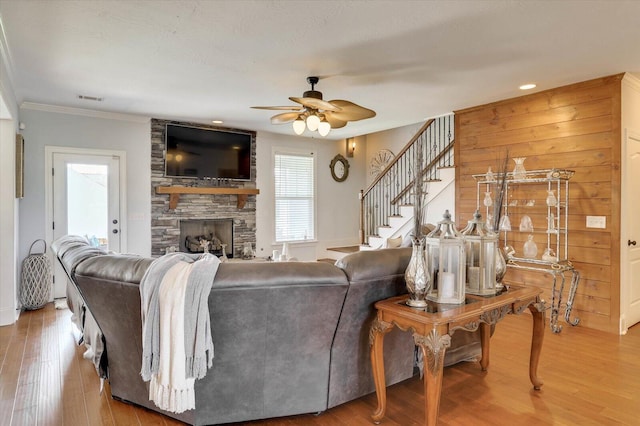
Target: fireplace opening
pixel 196 236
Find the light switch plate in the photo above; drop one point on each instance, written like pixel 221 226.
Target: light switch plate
pixel 597 222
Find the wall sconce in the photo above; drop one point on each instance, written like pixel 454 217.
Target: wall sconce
pixel 351 147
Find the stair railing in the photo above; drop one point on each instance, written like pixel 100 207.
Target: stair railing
pixel 392 187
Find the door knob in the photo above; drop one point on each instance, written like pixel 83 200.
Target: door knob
pixel 632 243
pixel 115 231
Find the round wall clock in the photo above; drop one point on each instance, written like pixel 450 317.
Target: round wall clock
pixel 339 168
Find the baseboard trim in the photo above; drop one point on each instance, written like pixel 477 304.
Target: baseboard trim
pixel 8 316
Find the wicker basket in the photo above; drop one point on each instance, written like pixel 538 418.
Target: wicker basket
pixel 35 287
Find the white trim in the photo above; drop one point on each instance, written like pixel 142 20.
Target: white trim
pixel 9 226
pixel 49 150
pixel 85 112
pixel 631 80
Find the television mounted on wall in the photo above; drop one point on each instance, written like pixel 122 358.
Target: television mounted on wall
pixel 198 152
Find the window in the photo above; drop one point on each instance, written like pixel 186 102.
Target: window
pixel 295 196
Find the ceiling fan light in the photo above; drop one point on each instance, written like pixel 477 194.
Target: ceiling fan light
pixel 324 128
pixel 313 121
pixel 299 126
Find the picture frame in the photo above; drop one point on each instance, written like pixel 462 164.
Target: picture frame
pixel 19 166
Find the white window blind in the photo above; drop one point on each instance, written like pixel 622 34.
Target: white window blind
pixel 295 198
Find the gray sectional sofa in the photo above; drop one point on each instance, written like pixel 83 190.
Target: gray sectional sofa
pixel 289 338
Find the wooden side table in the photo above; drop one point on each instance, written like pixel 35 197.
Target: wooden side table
pixel 432 328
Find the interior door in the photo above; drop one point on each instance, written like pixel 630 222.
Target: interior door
pixel 86 201
pixel 631 229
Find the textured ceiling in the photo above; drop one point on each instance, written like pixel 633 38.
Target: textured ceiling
pixel 407 60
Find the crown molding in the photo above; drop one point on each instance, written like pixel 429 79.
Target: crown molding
pixel 84 112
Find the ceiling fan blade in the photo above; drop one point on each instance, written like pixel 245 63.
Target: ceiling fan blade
pixel 285 117
pixel 279 108
pixel 315 103
pixel 335 123
pixel 351 112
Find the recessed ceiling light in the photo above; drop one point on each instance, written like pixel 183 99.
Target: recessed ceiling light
pixel 217 121
pixel 528 86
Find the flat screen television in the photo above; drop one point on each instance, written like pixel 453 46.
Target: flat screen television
pixel 198 152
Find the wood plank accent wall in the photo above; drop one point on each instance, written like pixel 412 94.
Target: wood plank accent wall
pixel 576 127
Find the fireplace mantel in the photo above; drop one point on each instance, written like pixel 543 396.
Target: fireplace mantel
pixel 175 192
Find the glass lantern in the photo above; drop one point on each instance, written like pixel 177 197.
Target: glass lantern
pixel 481 246
pixel 446 263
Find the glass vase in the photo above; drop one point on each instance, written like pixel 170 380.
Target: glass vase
pixel 505 223
pixel 519 171
pixel 487 199
pixel 417 275
pixel 530 249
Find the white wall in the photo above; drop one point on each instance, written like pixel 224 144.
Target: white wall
pixel 338 206
pixel 393 140
pixel 113 132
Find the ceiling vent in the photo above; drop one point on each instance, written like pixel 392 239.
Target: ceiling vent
pixel 90 98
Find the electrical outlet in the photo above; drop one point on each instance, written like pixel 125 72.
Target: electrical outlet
pixel 597 222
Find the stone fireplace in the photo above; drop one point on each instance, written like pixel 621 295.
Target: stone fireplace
pixel 166 222
pixel 212 233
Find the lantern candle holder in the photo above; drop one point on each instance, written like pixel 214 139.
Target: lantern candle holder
pixel 447 264
pixel 481 246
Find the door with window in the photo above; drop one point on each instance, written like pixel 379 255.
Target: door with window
pixel 86 202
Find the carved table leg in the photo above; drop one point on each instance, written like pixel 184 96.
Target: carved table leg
pixel 376 347
pixel 537 312
pixel 485 339
pixel 433 347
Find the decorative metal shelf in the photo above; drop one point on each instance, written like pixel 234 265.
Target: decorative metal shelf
pixel 175 192
pixel 541 181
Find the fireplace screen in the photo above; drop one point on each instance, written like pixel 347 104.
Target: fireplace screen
pixel 198 236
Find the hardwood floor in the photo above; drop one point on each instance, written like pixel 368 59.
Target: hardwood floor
pixel 591 378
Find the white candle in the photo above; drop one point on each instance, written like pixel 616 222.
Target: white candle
pixel 447 285
pixel 473 275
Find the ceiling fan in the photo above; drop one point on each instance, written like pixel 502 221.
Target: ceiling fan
pixel 316 114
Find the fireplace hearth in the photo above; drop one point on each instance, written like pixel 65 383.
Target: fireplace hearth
pixel 198 235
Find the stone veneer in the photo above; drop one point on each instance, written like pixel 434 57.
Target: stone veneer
pixel 165 223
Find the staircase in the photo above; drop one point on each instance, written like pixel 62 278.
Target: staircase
pixel 386 206
pixel 440 196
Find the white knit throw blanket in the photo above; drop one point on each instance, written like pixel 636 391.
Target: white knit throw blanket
pixel 177 344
